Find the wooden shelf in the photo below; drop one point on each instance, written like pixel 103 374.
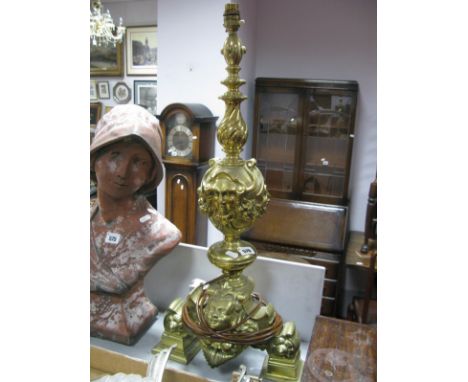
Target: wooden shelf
pixel 274 165
pixel 278 133
pixel 344 137
pixel 319 169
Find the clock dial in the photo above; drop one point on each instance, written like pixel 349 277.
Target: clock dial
pixel 179 141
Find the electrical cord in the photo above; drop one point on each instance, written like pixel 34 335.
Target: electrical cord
pixel 202 328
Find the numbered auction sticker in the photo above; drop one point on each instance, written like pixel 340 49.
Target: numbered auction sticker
pixel 112 238
pixel 246 251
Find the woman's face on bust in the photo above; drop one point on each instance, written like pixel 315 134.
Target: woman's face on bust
pixel 122 169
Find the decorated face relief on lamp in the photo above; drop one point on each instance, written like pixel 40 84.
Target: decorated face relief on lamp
pixel 128 236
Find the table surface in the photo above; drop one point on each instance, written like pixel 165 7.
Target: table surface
pixel 354 257
pixel 341 351
pixel 252 358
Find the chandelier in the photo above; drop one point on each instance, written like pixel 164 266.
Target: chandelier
pixel 102 29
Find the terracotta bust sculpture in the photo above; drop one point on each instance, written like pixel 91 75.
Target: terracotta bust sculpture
pixel 128 236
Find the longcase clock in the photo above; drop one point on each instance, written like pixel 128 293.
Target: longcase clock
pixel 188 143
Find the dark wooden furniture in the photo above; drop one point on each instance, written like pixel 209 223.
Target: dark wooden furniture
pixel 341 351
pixel 364 309
pixel 303 137
pixel 95 113
pixel 303 134
pixel 291 227
pixel 188 143
pixel 370 229
pixel 361 269
pixel 182 181
pixel 354 257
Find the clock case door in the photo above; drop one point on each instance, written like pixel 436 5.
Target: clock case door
pixel 183 175
pixel 181 205
pixel 201 122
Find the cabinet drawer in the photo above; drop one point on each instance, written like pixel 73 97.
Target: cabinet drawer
pixel 329 288
pixel 328 307
pixel 331 267
pixel 302 225
pixel 330 261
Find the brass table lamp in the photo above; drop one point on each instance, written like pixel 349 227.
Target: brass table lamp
pixel 224 316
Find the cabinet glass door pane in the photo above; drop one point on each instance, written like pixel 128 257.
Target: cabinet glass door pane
pixel 276 140
pixel 327 137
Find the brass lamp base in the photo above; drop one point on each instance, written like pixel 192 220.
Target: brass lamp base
pixel 282 364
pixel 187 345
pixel 280 369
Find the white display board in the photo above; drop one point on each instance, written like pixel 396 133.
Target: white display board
pixel 294 289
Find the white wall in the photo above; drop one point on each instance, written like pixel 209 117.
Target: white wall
pixel 190 65
pixel 247 33
pixel 328 39
pixel 133 12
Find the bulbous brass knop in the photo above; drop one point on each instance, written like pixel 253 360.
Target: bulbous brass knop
pixel 233 195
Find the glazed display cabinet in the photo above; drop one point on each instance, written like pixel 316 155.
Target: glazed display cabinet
pixel 303 138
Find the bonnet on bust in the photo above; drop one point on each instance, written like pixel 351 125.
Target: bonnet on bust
pixel 127 121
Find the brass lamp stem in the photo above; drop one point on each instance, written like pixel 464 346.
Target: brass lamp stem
pixel 232 131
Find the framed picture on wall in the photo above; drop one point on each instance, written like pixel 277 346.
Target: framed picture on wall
pixel 106 60
pixel 121 92
pixel 145 95
pixel 95 110
pixel 93 95
pixel 142 51
pixel 103 89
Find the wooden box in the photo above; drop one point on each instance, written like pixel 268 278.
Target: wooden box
pixel 106 362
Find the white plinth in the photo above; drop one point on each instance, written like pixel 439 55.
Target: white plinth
pixel 294 289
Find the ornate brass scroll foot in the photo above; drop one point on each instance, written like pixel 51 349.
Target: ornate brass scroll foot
pixel 282 369
pixel 283 362
pixel 175 334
